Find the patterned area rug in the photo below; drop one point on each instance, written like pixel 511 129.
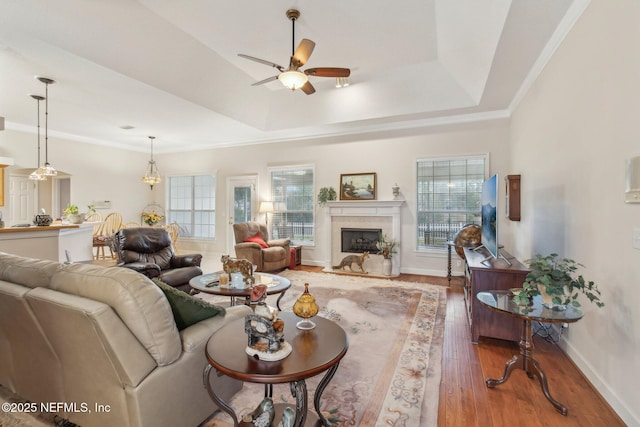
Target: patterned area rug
pixel 391 373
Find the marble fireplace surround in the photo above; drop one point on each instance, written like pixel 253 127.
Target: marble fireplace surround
pixel 378 214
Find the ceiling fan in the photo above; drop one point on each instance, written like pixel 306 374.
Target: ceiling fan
pixel 292 77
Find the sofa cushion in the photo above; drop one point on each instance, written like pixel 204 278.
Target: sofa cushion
pixel 257 239
pixel 188 310
pixel 138 302
pixel 28 272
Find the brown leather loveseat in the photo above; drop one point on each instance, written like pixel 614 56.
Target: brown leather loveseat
pixel 148 250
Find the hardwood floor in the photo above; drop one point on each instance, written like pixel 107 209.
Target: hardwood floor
pixel 465 400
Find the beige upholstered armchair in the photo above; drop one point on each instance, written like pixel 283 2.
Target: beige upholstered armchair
pixel 252 243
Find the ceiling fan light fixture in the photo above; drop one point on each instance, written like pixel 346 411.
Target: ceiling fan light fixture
pixel 293 79
pixel 342 82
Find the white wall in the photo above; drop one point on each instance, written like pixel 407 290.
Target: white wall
pixel 392 158
pixel 97 173
pixel 570 138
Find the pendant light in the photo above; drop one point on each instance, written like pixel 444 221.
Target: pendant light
pixel 152 176
pixel 47 169
pixel 37 174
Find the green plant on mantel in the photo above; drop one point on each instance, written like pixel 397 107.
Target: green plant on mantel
pixel 557 277
pixel 326 194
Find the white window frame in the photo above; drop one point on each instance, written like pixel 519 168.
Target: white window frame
pixel 184 231
pixel 428 240
pixel 277 203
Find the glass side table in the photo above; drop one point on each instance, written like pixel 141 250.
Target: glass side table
pixel 502 302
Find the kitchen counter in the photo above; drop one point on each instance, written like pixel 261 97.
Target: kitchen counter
pixel 51 242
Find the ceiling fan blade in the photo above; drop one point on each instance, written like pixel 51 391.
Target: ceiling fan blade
pixel 328 72
pixel 267 80
pixel 308 88
pixel 262 61
pixel 302 53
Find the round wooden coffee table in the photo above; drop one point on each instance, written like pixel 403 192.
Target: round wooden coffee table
pixel 313 352
pixel 275 285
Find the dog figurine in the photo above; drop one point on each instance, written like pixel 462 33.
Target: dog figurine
pixel 349 260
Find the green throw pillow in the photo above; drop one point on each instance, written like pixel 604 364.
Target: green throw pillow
pixel 186 309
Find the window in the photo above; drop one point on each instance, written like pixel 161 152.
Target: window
pixel 192 204
pixel 449 194
pixel 293 199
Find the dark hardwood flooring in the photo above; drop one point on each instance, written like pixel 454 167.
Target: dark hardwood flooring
pixel 465 400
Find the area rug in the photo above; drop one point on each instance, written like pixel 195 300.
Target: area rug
pixel 391 373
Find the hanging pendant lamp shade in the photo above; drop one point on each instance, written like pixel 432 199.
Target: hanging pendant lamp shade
pixel 152 176
pixel 37 174
pixel 47 169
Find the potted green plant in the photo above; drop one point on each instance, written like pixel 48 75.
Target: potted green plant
pixel 386 247
pixel 73 214
pixel 326 194
pixel 557 281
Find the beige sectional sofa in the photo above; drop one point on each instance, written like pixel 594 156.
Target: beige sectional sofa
pixel 103 343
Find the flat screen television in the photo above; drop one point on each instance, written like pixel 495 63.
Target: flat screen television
pixel 490 215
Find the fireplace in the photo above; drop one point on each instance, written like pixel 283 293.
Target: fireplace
pixel 376 216
pixel 360 240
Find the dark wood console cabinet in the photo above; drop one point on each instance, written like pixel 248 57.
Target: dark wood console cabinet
pixel 492 274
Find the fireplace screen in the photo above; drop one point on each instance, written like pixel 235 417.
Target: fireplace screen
pixel 360 240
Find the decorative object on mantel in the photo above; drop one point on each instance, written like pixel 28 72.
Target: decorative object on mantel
pixel 37 174
pixel 556 281
pixel 358 186
pixel 326 194
pixel 305 307
pixel 42 219
pixel 46 169
pixel 152 176
pixel 386 247
pixel 396 191
pixel 349 260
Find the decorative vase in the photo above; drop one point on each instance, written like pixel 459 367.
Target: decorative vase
pixel 387 266
pixel 547 299
pixel 42 220
pixel 75 218
pixel 305 307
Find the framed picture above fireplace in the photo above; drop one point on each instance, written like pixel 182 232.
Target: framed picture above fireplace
pixel 358 186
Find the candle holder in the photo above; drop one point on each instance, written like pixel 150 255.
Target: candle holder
pixel 305 307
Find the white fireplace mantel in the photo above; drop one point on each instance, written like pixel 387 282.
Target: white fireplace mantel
pixel 364 208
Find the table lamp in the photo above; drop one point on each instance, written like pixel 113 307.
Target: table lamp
pixel 265 208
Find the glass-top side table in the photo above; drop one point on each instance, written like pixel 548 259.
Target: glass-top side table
pixel 502 302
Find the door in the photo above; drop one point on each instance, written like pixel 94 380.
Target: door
pixel 242 205
pixel 23 194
